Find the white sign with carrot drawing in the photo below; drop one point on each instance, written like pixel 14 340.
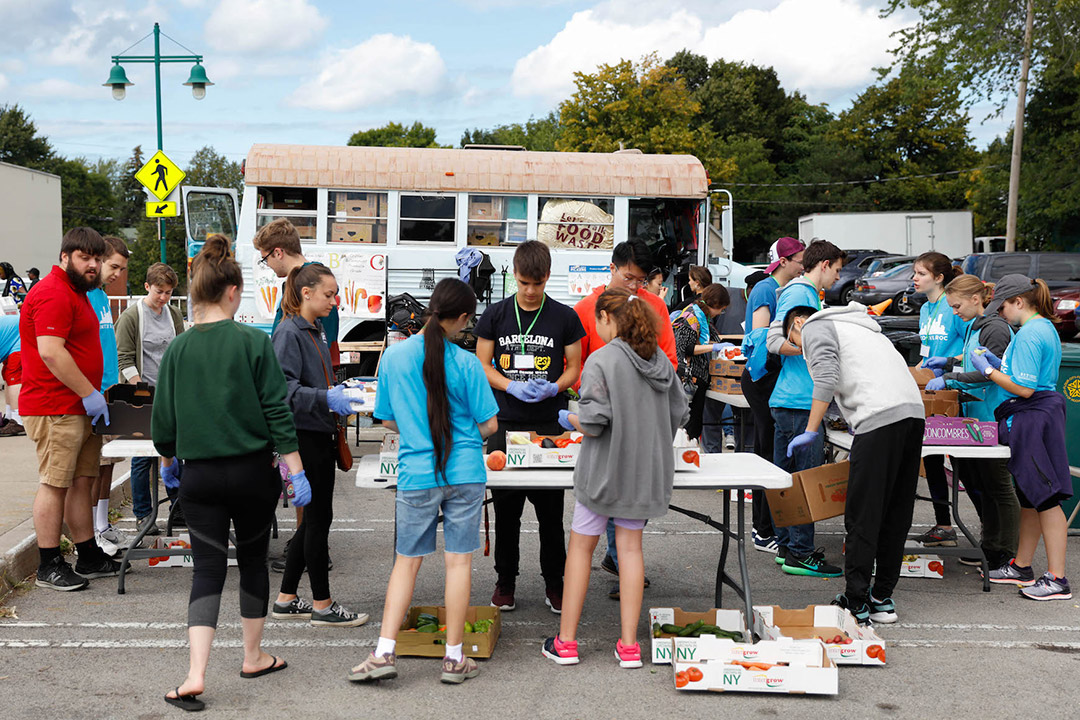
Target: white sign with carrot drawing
pixel 361 278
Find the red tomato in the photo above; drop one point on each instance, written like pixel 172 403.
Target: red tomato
pixel 694 674
pixel 681 679
pixel 496 460
pixel 692 457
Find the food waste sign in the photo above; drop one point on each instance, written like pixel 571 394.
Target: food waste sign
pixel 361 279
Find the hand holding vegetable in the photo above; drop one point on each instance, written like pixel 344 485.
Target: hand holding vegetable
pixel 993 359
pixel 980 362
pixel 721 347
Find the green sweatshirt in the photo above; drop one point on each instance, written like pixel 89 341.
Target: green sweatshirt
pixel 221 393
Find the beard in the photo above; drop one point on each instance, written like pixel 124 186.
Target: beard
pixel 81 282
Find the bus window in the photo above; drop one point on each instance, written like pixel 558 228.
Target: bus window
pixel 427 218
pixel 357 217
pixel 298 205
pixel 497 219
pixel 577 223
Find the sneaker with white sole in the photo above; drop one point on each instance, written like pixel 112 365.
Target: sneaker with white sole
pixel 1048 587
pixel 107 546
pixel 1012 574
pixel 883 611
pixel 456 672
pixel 337 616
pixel 765 544
pixel 563 653
pixel 117 537
pixel 296 609
pixel 629 656
pixel 58 575
pixel 375 667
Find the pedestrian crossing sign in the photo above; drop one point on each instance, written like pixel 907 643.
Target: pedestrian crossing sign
pixel 160 175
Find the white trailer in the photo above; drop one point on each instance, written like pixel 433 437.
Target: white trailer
pixel 30 206
pixel 901 233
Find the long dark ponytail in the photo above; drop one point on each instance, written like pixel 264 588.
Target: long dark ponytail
pixel 450 300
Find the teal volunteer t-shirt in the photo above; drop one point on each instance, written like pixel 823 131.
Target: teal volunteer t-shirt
pixel 940 330
pixel 1033 358
pixel 100 302
pixel 402 397
pixel 794 387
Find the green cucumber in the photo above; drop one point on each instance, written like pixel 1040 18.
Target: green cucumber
pixel 691 628
pixel 657 630
pixel 428 628
pixel 671 629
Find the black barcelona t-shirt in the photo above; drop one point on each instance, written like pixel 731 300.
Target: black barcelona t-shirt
pixel 522 354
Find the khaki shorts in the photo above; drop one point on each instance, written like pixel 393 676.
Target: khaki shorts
pixel 66 448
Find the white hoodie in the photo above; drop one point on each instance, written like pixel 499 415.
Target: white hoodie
pixel 850 359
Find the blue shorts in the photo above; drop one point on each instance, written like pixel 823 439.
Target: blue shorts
pixel 418 516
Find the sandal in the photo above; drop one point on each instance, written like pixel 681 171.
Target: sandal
pixel 273 667
pixel 190 703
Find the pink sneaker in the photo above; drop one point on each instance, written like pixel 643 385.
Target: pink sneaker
pixel 563 653
pixel 629 656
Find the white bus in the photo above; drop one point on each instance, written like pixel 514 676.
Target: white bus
pixel 392 220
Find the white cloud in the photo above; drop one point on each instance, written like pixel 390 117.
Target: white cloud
pixel 264 25
pixel 65 90
pixel 816 46
pixel 88 34
pixel 378 70
pixel 3 82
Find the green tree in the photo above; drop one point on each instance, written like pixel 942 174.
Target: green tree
pixel 537 134
pixel 20 143
pixel 86 195
pixel 642 105
pixel 146 251
pixel 130 196
pixel 396 135
pixel 208 168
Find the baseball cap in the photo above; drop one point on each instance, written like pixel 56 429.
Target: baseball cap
pixel 782 248
pixel 1009 287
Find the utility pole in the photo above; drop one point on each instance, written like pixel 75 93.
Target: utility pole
pixel 1018 132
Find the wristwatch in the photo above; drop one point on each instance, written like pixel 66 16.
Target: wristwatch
pixel 989 369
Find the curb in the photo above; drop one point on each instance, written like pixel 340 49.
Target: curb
pixel 18 546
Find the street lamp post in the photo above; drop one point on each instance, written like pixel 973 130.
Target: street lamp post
pixel 197 81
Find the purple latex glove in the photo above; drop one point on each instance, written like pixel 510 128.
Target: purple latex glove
pixel 806 438
pixel 544 389
pixel 298 489
pixel 170 474
pixel 564 419
pixel 935 385
pixel 525 392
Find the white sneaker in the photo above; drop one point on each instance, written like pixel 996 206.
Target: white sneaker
pixel 118 538
pixel 107 546
pixel 729 442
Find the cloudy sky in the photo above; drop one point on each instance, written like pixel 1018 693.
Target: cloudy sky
pixel 314 71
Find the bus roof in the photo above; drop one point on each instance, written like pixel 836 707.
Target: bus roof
pixel 494 171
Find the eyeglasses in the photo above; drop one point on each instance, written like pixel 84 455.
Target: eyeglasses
pixel 633 279
pixel 266 257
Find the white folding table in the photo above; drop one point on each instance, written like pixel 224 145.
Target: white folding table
pixel 726 472
pixel 842 440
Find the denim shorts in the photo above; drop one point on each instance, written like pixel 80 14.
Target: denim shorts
pixel 586 522
pixel 418 515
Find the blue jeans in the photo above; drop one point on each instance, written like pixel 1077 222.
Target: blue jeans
pixel 798 539
pixel 717 423
pixel 141 501
pixel 612 551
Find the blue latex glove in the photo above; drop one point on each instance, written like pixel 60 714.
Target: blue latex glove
pixel 298 489
pixel 96 407
pixel 720 347
pixel 936 363
pixel 935 385
pixel 803 440
pixel 994 360
pixel 564 419
pixel 335 398
pixel 524 392
pixel 170 474
pixel 544 389
pixel 981 362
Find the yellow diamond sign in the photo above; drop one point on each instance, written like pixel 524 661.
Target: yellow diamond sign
pixel 160 175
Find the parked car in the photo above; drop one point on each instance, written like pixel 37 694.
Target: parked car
pixel 881 265
pixel 892 284
pixel 1060 271
pixel 856 264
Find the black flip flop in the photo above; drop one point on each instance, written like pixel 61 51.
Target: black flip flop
pixel 190 703
pixel 274 667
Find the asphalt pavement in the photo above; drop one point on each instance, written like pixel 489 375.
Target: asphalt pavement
pixel 957 651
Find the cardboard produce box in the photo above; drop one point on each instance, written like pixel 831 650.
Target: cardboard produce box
pixel 858 645
pixel 662 646
pixel 171 543
pixel 357 231
pixel 477 645
pixel 922 566
pixel 723 367
pixel 815 494
pixel 942 402
pixel 784 666
pixel 725 385
pixel 364 205
pixel 922 376
pixel 130 407
pixel 959 431
pixel 524 449
pixel 388 456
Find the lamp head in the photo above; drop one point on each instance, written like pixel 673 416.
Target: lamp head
pixel 118 81
pixel 198 82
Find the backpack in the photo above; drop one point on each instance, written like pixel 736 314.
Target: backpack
pixel 480 279
pixel 405 314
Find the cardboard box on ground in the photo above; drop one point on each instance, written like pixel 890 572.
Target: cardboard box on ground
pixel 815 494
pixel 922 566
pixel 181 541
pixel 478 645
pixel 857 645
pixel 731 620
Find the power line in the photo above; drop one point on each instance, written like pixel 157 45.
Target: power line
pixel 861 182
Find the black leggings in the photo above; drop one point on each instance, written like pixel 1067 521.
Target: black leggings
pixel 310 545
pixel 242 489
pixel 757 396
pixel 939 488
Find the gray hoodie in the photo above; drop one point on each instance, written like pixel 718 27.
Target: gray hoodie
pixel 305 360
pixel 630 409
pixel 850 359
